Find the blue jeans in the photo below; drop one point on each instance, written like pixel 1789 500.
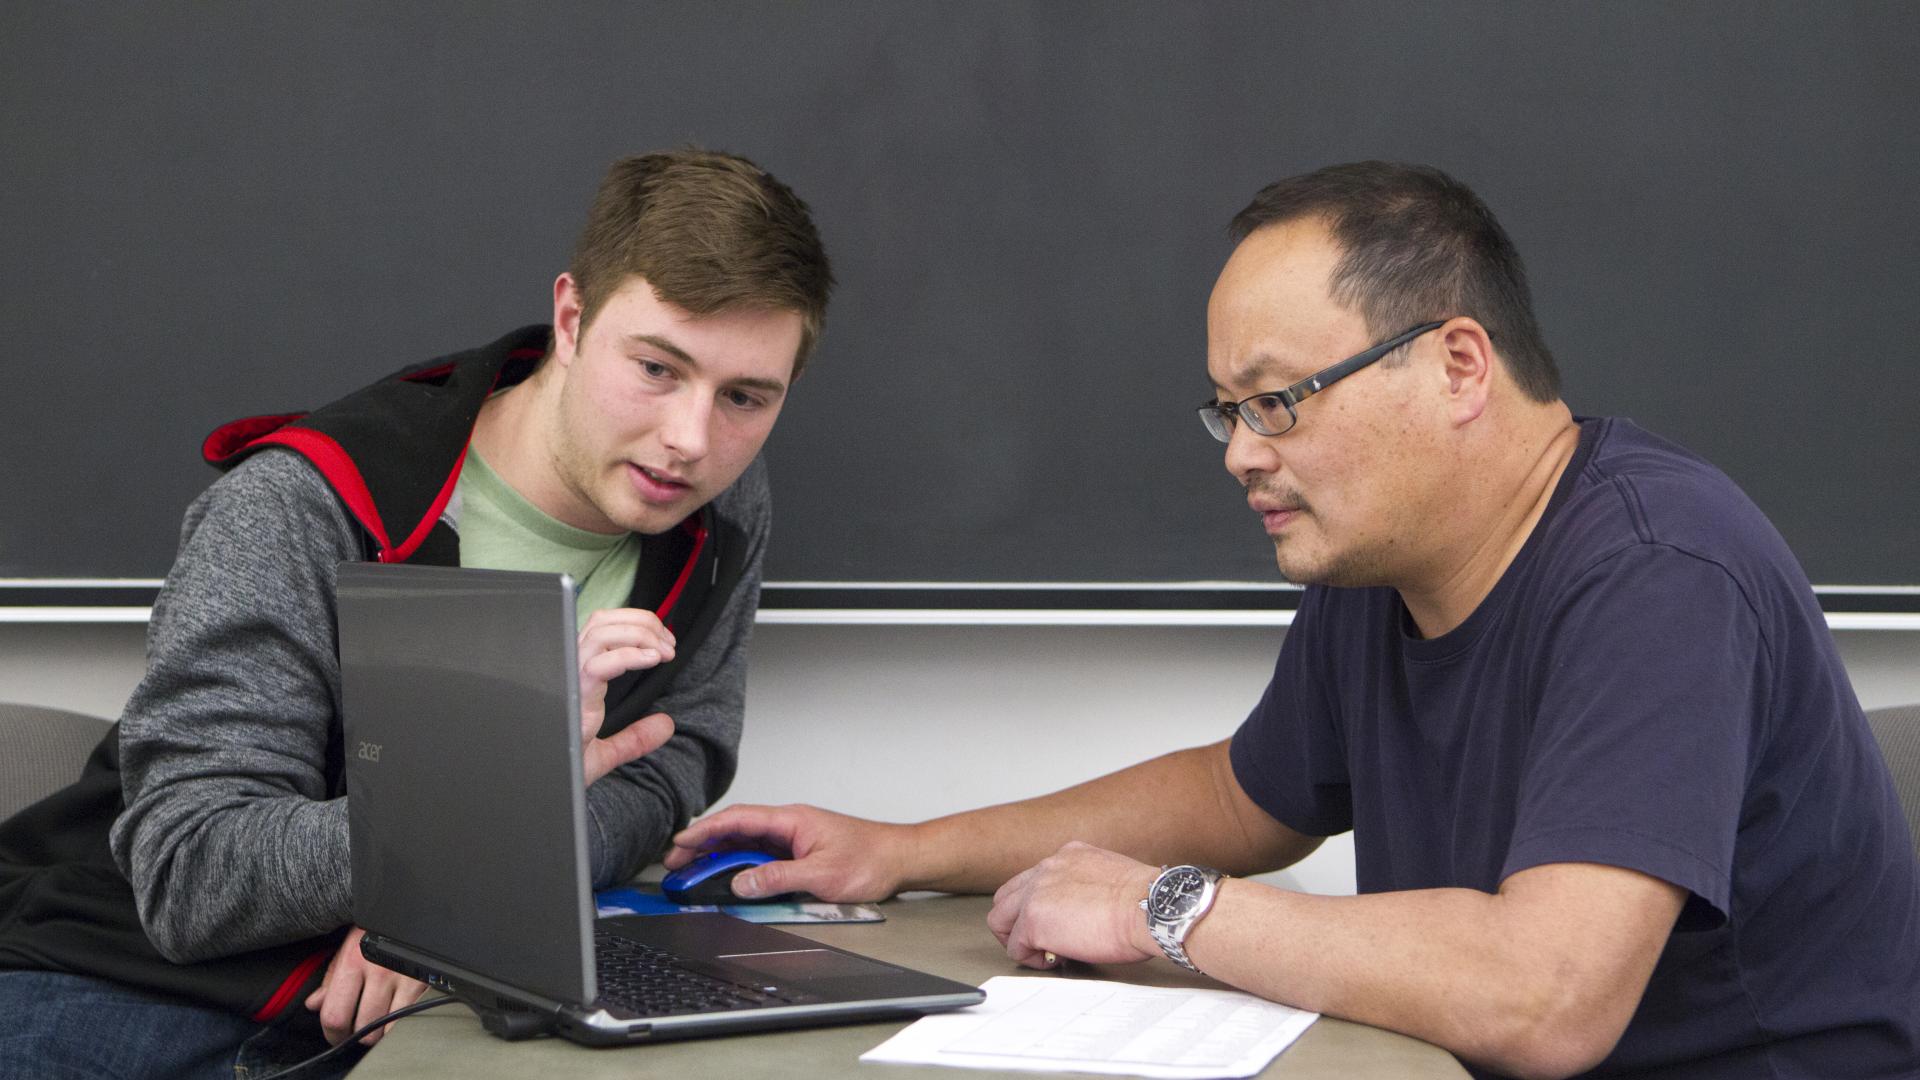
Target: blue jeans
pixel 55 1026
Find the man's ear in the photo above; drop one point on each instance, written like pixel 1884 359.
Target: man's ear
pixel 567 301
pixel 1470 366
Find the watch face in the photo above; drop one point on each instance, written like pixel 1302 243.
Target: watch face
pixel 1176 893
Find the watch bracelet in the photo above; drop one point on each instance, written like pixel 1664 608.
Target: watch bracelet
pixel 1163 935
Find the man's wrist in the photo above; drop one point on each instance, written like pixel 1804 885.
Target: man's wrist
pixel 953 854
pixel 908 858
pixel 1227 888
pixel 1177 900
pixel 1137 932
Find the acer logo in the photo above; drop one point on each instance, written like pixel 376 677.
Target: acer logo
pixel 369 751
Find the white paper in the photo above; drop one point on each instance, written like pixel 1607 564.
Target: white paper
pixel 1084 1025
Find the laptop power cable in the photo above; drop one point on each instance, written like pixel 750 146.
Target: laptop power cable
pixel 418 1006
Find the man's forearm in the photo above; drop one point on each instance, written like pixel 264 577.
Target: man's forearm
pixel 1182 807
pixel 1539 979
pixel 633 810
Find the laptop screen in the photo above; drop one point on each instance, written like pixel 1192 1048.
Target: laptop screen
pixel 460 696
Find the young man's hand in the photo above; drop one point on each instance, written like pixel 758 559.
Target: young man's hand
pixel 834 857
pixel 357 991
pixel 614 642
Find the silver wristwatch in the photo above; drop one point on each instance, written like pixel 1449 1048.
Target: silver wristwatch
pixel 1177 900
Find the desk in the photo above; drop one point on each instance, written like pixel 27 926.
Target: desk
pixel 946 935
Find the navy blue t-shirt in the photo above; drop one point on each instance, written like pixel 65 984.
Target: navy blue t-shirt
pixel 1650 685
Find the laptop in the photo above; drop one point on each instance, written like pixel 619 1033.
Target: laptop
pixel 467 821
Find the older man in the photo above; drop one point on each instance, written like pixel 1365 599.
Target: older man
pixel 1615 805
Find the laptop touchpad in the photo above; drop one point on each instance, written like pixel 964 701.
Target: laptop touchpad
pixel 800 964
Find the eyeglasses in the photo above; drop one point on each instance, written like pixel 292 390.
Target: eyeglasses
pixel 1272 413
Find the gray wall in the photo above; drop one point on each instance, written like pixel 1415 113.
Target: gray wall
pixel 903 723
pixel 218 209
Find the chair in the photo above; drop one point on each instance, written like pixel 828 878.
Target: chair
pixel 41 751
pixel 1897 727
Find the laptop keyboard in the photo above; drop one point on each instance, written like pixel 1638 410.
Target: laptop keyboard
pixel 639 979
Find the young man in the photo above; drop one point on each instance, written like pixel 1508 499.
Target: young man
pixel 1615 805
pixel 178 905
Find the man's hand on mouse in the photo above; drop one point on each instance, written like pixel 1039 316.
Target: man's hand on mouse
pixel 835 857
pixel 614 642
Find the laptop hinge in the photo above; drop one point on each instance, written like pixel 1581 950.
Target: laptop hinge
pixel 511 1022
pixel 508 1012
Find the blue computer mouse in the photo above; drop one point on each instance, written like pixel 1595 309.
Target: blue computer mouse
pixel 709 878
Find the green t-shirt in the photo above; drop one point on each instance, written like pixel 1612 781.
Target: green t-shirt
pixel 501 530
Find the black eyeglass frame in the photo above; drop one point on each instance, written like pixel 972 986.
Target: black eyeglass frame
pixel 1228 412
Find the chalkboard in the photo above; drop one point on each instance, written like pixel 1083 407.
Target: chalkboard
pixel 217 210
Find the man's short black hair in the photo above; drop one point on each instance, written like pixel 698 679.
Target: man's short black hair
pixel 1416 245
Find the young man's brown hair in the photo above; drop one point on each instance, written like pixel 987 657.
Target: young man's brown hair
pixel 710 232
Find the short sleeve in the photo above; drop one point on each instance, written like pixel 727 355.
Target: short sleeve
pixel 1648 719
pixel 1288 755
